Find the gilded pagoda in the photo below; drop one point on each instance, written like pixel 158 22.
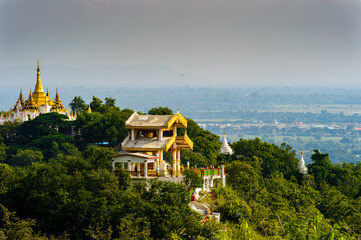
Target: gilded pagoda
pixel 37 103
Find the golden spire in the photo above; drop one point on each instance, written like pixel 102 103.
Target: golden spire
pixel 21 98
pixel 58 105
pixel 89 109
pixel 20 101
pixel 47 92
pixel 38 86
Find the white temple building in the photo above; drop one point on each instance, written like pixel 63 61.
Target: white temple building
pixel 225 148
pixel 302 166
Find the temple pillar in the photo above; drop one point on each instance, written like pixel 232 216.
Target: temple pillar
pixel 159 161
pixel 156 164
pixel 145 169
pixel 122 165
pixel 138 169
pixel 129 166
pixel 178 162
pixel 132 134
pixel 223 176
pixel 160 137
pixel 174 168
pixel 175 131
pixel 211 182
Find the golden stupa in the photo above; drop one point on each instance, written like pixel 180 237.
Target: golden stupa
pixel 38 103
pixel 39 96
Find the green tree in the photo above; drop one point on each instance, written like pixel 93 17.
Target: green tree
pixel 192 179
pixel 321 167
pixel 6 177
pixel 26 157
pixel 110 102
pixel 52 145
pixel 45 124
pixel 99 157
pixel 9 131
pixel 12 227
pixel 78 104
pixel 274 159
pixel 96 104
pixel 160 111
pixel 102 127
pixel 243 177
pixel 64 201
pixel 205 142
pixel 2 152
pixel 194 159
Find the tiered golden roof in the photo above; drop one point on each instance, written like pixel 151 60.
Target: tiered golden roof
pixel 20 99
pixel 30 104
pixel 58 105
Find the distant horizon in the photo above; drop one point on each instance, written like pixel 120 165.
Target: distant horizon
pixel 139 75
pixel 204 100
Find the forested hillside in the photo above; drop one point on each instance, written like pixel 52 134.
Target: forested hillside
pixel 53 186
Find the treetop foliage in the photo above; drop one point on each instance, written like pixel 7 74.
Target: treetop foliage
pixel 53 186
pixel 160 111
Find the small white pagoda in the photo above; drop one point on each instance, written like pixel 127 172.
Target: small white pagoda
pixel 302 166
pixel 225 148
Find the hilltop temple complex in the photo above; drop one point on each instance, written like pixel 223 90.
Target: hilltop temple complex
pixel 37 103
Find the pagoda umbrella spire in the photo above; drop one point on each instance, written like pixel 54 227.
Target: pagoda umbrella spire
pixel 39 85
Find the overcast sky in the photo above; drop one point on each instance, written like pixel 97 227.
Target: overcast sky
pixel 229 43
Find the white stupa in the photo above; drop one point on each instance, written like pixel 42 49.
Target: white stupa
pixel 225 148
pixel 302 166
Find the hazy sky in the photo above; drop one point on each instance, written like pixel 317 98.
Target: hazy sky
pixel 229 43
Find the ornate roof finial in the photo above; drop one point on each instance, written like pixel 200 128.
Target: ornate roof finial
pixel 47 92
pixel 39 85
pixel 89 109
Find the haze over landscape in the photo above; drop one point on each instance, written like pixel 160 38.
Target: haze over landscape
pixel 226 63
pixel 181 43
pixel 180 119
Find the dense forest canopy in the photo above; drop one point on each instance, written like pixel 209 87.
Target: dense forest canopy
pixel 54 186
